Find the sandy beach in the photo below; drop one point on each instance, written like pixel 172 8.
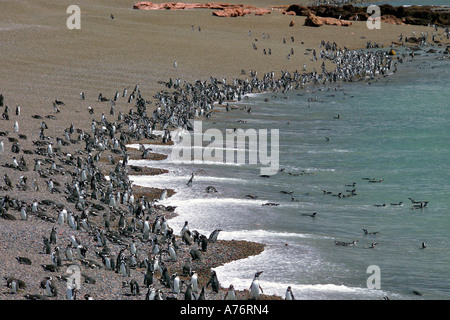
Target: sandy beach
pixel 43 61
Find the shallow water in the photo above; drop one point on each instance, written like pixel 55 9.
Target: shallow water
pixel 395 129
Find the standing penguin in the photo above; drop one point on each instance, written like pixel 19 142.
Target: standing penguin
pixel 255 288
pixel 14 286
pixel 188 292
pixel 53 236
pixel 176 283
pixel 213 236
pixel 185 228
pixel 134 287
pixel 194 281
pixel 148 278
pixel 172 253
pixel 231 293
pixel 204 243
pixel 289 294
pixel 214 282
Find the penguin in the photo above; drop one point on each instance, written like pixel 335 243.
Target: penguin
pixel 151 294
pixel 202 294
pixel 49 287
pixel 69 253
pixel 214 282
pixel 189 183
pixel 172 253
pixel 194 281
pixel 231 293
pixel 185 228
pixel 134 287
pixel 53 236
pixel 71 293
pixel 47 246
pixel 14 286
pixel 289 295
pixel 187 267
pixel 16 127
pixel 148 278
pixel 24 260
pixel 255 288
pixel 204 243
pixel 195 254
pixel 213 236
pixel 188 295
pixel 176 283
pixel 23 214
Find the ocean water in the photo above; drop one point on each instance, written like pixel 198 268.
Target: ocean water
pixel 395 129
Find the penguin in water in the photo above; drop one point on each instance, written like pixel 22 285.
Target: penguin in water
pixel 231 293
pixel 255 288
pixel 289 295
pixel 214 282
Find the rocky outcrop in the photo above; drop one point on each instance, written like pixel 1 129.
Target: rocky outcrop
pixel 225 10
pixel 416 15
pixel 314 21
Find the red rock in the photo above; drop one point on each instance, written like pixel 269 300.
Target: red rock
pixel 227 10
pixel 314 21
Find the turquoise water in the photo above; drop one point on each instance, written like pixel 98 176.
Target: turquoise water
pixel 395 129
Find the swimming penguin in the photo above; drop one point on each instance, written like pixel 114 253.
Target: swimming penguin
pixel 312 215
pixel 214 282
pixel 289 295
pixel 231 293
pixel 372 246
pixel 424 245
pixel 213 236
pixel 255 288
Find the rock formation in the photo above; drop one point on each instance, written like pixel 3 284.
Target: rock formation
pixel 225 10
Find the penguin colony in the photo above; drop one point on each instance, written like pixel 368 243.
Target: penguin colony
pixel 121 232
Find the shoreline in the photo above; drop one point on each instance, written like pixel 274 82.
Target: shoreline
pixel 68 169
